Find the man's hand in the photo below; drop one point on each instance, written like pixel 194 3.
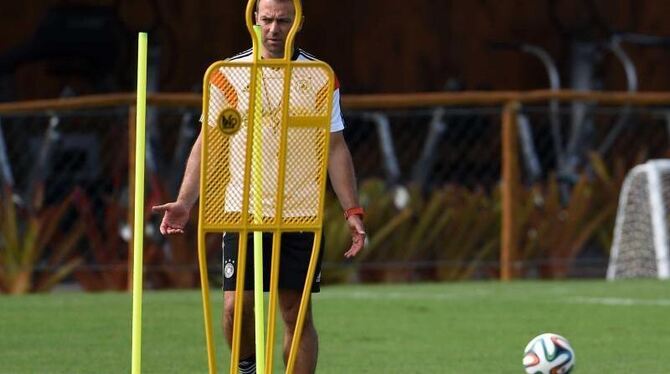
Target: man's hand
pixel 175 218
pixel 357 235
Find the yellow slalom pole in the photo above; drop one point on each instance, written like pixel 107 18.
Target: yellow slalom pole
pixel 272 308
pixel 257 183
pixel 138 228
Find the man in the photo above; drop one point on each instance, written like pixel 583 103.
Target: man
pixel 276 18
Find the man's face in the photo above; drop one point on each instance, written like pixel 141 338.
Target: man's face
pixel 275 18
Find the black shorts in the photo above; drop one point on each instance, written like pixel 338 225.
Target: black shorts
pixel 296 250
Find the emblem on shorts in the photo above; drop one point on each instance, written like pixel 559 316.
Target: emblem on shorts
pixel 229 121
pixel 228 270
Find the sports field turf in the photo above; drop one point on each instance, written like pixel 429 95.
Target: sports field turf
pixel 473 327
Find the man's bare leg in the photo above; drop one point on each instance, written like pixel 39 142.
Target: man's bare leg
pixel 289 303
pixel 247 348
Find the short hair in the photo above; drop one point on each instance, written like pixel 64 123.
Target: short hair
pixel 291 1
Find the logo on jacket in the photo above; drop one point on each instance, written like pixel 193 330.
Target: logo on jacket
pixel 229 121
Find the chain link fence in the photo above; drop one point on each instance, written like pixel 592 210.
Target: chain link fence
pixel 573 161
pixel 429 177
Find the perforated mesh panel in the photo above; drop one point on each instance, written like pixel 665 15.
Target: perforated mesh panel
pixel 290 141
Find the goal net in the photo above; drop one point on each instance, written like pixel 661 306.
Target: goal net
pixel 640 245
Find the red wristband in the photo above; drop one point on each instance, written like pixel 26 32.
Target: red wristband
pixel 355 211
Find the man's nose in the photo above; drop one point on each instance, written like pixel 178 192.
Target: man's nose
pixel 274 27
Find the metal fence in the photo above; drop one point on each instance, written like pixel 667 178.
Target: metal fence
pixel 429 147
pixel 430 165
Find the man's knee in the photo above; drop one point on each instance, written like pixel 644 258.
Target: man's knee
pixel 290 306
pixel 229 308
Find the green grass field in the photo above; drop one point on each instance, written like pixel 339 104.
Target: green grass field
pixel 621 327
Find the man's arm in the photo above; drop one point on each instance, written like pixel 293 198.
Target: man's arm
pixel 343 180
pixel 176 214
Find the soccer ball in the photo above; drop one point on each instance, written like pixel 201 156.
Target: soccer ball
pixel 548 354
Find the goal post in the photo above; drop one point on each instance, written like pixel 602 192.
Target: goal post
pixel 640 247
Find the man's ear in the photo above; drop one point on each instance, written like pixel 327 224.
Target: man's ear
pixel 302 22
pixel 256 18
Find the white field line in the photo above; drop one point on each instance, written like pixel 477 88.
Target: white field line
pixel 478 294
pixel 618 301
pixel 384 295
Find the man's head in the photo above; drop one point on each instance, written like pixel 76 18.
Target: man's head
pixel 275 18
